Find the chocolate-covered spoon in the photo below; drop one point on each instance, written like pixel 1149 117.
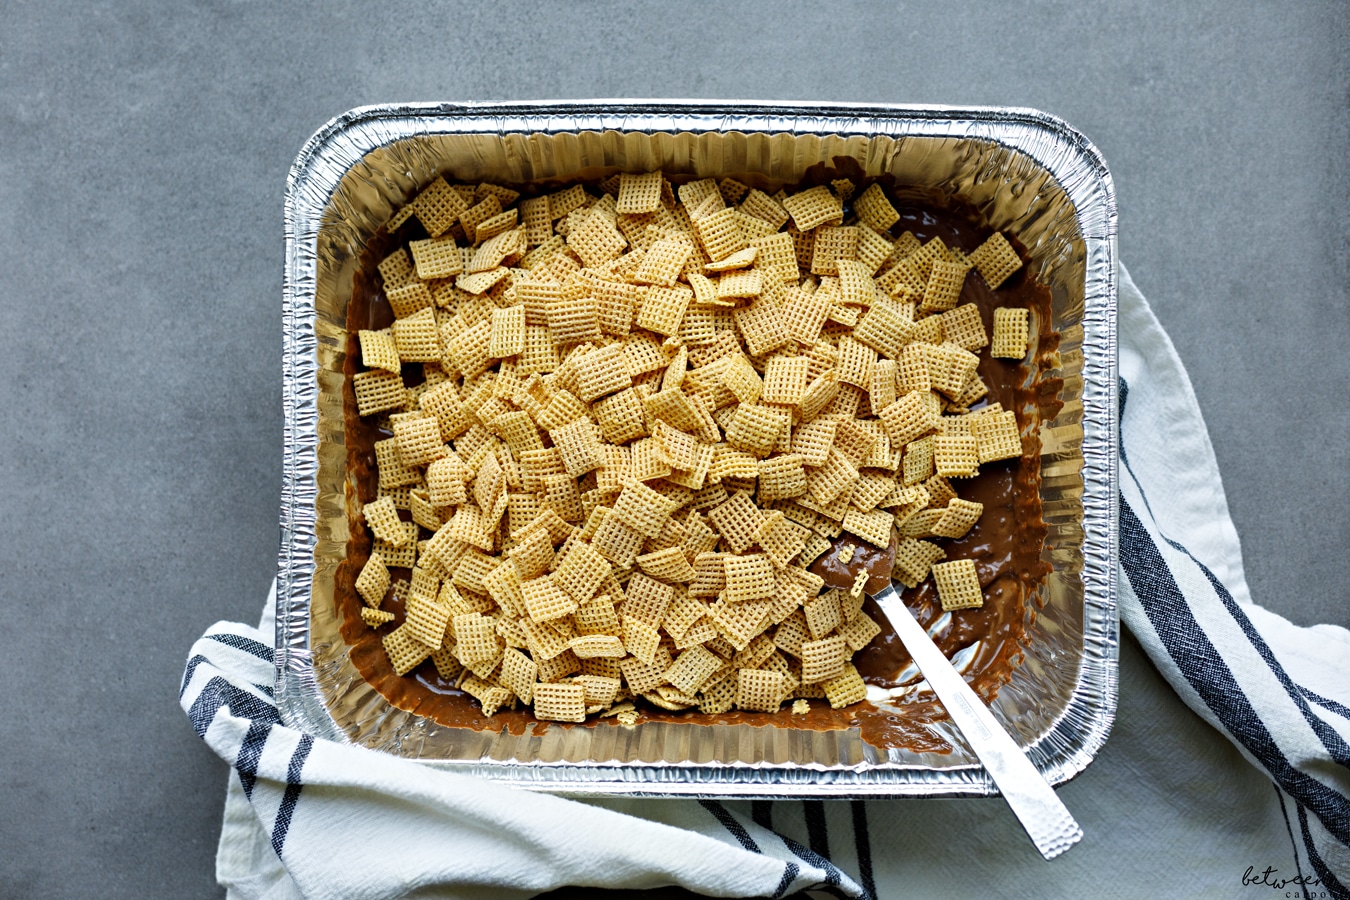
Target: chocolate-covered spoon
pixel 1047 821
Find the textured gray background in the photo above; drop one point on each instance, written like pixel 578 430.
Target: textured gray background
pixel 145 148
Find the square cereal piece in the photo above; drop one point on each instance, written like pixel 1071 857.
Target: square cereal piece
pixel 373 582
pixel 754 429
pixel 785 380
pixel 437 206
pixel 642 509
pixel 886 328
pixel 641 640
pixel 508 332
pixel 579 446
pixel 580 572
pixel 909 418
pixel 963 327
pixel 469 220
pixel 855 288
pixel 812 207
pixel 739 285
pixel 544 643
pixel 824 659
pixel 602 372
pixel 693 668
pixel 914 559
pixel 762 206
pixel 1010 333
pixel 647 600
pixel 555 668
pixel 749 578
pixel 996 436
pixel 833 479
pixel 382 517
pixel 812 441
pixel 874 208
pixel 644 673
pixel 720 233
pixel 436 258
pixel 759 690
pixel 873 526
pixel 639 193
pixel 855 363
pixel 405 651
pixel 782 477
pixel 544 600
pixel 664 261
pixel 596 646
pixel 955 455
pixel 560 702
pixel 617 302
pixel 950 368
pixel 562 495
pixel 918 461
pixel 377 391
pixel 402 555
pixel 409 298
pixel 780 539
pixel 995 259
pixel 846 689
pixel 664 308
pixel 379 350
pixel 419 440
pixel 535 217
pixel 668 565
pixel 833 245
pixel 762 326
pixel 573 320
pixel 396 269
pixel 944 285
pixel 426 621
pixel 518 674
pixel 621 417
pixel 958 584
pixel 958 518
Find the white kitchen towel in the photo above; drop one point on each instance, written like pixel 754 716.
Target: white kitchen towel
pixel 310 818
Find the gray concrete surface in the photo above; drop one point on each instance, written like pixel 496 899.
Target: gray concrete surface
pixel 144 149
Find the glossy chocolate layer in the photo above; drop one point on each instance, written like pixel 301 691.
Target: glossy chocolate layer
pixel 1006 543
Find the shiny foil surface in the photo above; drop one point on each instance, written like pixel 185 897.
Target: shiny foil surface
pixel 1027 172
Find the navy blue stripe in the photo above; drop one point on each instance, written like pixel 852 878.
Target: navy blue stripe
pixel 790 872
pixel 817 831
pixel 832 874
pixel 265 689
pixel 192 665
pixel 288 800
pixel 248 645
pixel 1208 673
pixel 761 813
pixel 1335 746
pixel 217 693
pixel 250 751
pixel 721 814
pixel 1279 795
pixel 1329 879
pixel 863 849
pixel 1339 709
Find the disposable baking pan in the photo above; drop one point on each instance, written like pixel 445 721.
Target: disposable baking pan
pixel 1028 172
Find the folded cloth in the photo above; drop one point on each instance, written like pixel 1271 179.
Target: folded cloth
pixel 311 818
pixel 1281 693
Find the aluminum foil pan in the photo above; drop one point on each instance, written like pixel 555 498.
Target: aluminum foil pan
pixel 1028 172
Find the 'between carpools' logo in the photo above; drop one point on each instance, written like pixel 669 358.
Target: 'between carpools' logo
pixel 1296 887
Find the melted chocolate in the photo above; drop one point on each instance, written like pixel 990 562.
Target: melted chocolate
pixel 1006 543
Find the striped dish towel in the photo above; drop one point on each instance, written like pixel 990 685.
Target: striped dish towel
pixel 297 808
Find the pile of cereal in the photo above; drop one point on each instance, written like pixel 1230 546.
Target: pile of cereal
pixel 643 412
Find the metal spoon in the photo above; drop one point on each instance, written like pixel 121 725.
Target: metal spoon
pixel 1047 821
